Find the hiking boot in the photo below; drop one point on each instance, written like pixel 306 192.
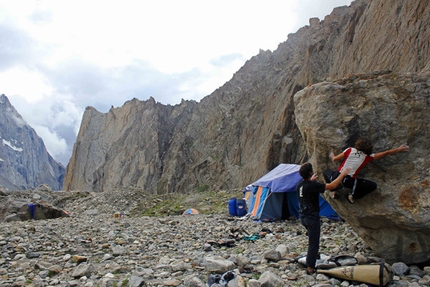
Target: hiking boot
pixel 350 198
pixel 310 270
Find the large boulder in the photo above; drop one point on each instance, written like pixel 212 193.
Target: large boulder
pixel 25 205
pixel 390 109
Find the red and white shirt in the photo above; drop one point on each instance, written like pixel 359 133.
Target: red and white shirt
pixel 356 160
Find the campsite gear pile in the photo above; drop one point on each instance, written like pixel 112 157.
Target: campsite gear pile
pixel 346 267
pixel 228 279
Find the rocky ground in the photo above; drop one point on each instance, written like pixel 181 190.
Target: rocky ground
pixel 153 244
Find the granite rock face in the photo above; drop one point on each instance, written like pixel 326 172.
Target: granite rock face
pixel 24 160
pixel 390 110
pixel 125 147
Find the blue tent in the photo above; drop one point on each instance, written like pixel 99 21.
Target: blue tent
pixel 274 195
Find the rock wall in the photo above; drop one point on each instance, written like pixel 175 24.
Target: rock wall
pixel 390 109
pixel 124 147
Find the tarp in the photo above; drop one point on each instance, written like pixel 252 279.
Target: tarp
pixel 282 178
pixel 191 211
pixel 274 195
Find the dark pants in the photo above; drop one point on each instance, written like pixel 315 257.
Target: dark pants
pixel 359 186
pixel 312 224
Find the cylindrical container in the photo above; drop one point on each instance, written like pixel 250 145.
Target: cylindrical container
pixel 232 207
pixel 241 209
pixel 32 209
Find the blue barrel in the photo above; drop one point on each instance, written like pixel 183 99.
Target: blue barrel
pixel 32 209
pixel 232 206
pixel 241 209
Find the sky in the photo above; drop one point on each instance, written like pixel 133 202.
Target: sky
pixel 59 57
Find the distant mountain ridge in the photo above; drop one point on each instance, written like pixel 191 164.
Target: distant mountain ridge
pixel 24 160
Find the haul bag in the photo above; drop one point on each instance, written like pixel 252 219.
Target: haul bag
pixel 375 274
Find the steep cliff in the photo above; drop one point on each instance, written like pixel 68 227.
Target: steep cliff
pixel 125 147
pixel 247 126
pixel 24 161
pixel 390 109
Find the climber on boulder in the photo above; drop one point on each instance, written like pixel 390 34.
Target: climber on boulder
pixel 356 158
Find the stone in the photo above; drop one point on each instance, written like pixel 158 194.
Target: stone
pixel 217 264
pixel 83 269
pixel 193 281
pixel 254 283
pixel 269 279
pixel 55 269
pixel 12 217
pixel 180 265
pixel 172 282
pixel 272 255
pixel 400 268
pixel 368 105
pixel 118 250
pixel 79 259
pixel 31 255
pixel 415 270
pixel 13 208
pixel 136 281
pixel 282 249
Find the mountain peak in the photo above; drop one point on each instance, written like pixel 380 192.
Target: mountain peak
pixel 24 160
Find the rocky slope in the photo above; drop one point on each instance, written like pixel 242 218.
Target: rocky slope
pixel 92 248
pixel 24 160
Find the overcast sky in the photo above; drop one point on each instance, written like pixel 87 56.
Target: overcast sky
pixel 58 57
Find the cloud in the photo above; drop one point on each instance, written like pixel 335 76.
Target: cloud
pixel 101 88
pixel 20 122
pixel 55 144
pixel 41 17
pixel 59 57
pixel 55 120
pixel 15 47
pixel 306 9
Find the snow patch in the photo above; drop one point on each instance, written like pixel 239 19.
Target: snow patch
pixel 7 143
